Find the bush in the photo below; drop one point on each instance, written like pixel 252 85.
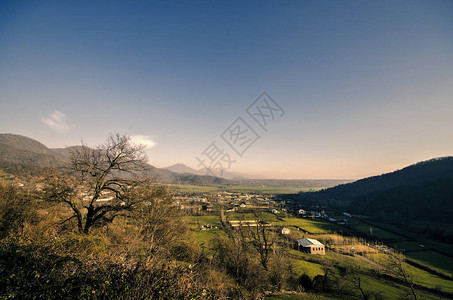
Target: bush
pixel 305 282
pixel 84 245
pixel 15 211
pixel 32 272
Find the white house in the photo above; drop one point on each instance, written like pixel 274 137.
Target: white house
pixel 311 246
pixel 283 230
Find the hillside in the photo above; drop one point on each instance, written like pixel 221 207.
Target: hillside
pixel 21 155
pixel 19 142
pixel 419 193
pixel 426 171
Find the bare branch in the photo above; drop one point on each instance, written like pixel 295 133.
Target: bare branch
pixel 111 170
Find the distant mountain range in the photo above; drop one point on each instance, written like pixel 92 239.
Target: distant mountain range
pixel 20 155
pixel 423 191
pixel 181 168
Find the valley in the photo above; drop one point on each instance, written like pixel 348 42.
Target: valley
pixel 245 233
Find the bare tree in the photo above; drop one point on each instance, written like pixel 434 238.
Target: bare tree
pixel 354 276
pixel 158 218
pixel 261 238
pixel 397 267
pixel 394 265
pixel 97 184
pixel 232 252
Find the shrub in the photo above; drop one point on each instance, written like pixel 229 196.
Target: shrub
pixel 305 282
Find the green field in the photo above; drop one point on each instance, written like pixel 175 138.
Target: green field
pixel 374 232
pixel 310 225
pixel 190 188
pixel 405 245
pixel 435 260
pixel 269 189
pixel 203 238
pixel 307 224
pixel 301 267
pixel 306 296
pixel 429 280
pixel 205 220
pixel 417 246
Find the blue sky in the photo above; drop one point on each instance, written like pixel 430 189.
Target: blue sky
pixel 366 85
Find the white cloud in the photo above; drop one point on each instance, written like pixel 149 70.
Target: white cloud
pixel 58 122
pixel 145 140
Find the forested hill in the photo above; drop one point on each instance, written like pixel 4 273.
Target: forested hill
pixel 21 154
pixel 420 191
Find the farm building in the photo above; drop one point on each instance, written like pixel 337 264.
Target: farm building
pixel 311 246
pixel 283 230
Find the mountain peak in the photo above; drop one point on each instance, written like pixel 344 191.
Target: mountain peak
pixel 181 168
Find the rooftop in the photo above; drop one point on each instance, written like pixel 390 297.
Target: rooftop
pixel 309 242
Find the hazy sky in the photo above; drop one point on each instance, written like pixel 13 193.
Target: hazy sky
pixel 366 86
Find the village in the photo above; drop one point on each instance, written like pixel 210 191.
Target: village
pixel 242 210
